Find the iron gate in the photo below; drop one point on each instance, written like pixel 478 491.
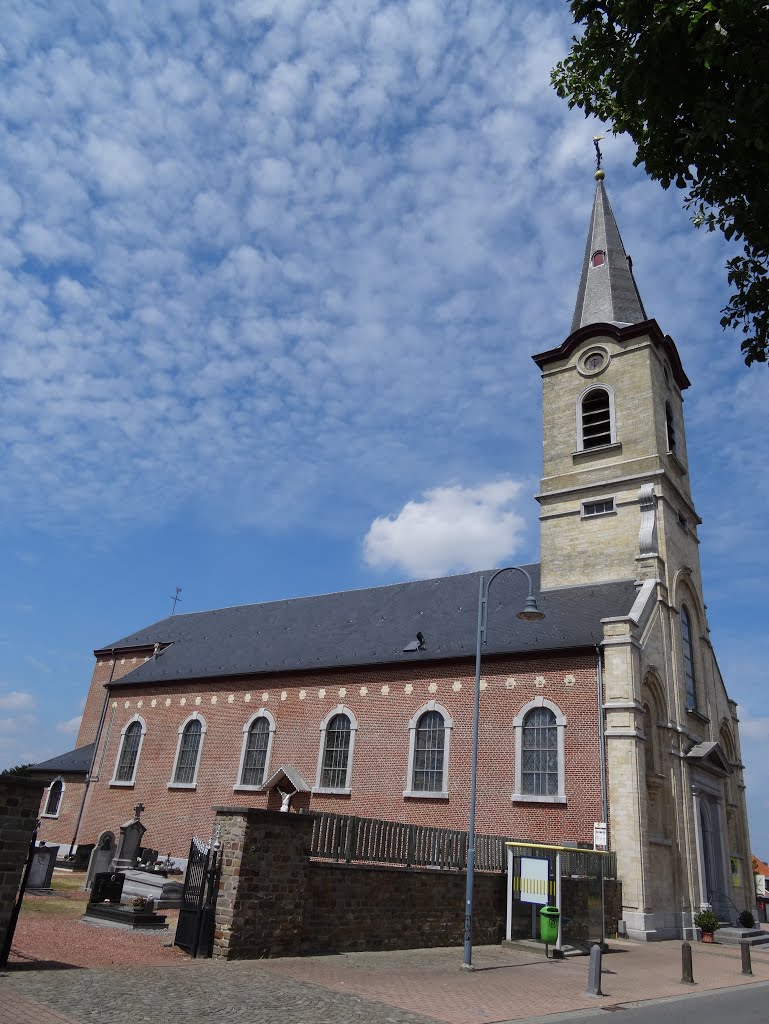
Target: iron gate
pixel 195 930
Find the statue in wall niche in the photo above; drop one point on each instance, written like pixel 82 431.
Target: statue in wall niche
pixel 285 800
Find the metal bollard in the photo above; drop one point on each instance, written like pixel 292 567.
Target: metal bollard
pixel 745 949
pixel 687 974
pixel 594 973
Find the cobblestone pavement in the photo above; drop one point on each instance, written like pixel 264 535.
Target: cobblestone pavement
pixel 403 987
pixel 196 993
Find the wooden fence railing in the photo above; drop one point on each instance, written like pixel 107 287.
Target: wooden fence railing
pixel 343 837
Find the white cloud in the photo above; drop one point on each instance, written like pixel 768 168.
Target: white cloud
pixel 17 700
pixel 452 529
pixel 71 726
pixel 754 730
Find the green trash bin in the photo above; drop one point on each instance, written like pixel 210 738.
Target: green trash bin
pixel 548 925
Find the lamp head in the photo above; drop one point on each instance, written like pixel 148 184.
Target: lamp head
pixel 530 612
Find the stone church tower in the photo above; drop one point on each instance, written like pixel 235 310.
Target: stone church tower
pixel 616 504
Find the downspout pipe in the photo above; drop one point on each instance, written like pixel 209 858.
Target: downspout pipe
pixel 602 741
pixel 89 776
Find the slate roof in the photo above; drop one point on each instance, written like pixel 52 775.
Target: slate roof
pixel 371 627
pixel 607 293
pixel 78 760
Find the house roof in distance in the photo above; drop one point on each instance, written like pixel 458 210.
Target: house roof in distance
pixel 74 761
pixel 372 627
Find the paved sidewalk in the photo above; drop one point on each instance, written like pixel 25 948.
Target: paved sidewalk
pixel 404 987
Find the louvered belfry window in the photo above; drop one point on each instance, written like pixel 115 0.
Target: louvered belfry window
pixel 671 427
pixel 255 757
pixel 130 751
pixel 596 419
pixel 539 765
pixel 429 747
pixel 187 761
pixel 688 651
pixel 336 753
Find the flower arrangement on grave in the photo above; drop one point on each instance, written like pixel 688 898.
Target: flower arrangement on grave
pixel 139 902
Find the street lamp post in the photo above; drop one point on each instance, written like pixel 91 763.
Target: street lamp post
pixel 529 613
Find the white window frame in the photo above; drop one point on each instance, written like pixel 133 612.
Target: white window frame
pixel 448 725
pixel 612 418
pixel 45 813
pixel 518 795
pixel 195 716
pixel 128 782
pixel 340 709
pixel 240 785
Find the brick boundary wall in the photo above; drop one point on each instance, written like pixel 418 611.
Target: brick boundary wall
pixel 275 901
pixel 19 806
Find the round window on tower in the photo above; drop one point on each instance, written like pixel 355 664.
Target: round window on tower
pixel 593 362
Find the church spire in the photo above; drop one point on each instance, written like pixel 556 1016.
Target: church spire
pixel 607 289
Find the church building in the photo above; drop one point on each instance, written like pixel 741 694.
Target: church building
pixel 611 708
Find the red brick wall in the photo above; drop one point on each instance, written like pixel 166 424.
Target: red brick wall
pixel 61 828
pixel 383 701
pixel 106 668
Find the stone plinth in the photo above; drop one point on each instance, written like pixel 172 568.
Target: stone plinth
pixel 123 917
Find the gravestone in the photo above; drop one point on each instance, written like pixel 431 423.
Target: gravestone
pixel 41 869
pixel 131 834
pixel 102 856
pixel 165 892
pixel 107 887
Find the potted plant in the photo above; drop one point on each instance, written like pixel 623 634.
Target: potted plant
pixel 139 903
pixel 746 919
pixel 708 924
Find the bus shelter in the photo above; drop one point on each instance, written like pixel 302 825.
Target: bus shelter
pixel 566 877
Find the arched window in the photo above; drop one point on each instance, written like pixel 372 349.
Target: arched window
pixel 429 741
pixel 255 755
pixel 337 743
pixel 599 257
pixel 53 803
pixel 540 753
pixel 595 419
pixel 131 741
pixel 540 774
pixel 688 653
pixel 670 426
pixel 188 751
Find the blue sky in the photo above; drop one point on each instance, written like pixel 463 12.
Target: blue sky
pixel 271 274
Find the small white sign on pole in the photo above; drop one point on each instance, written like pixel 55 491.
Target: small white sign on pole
pixel 599 835
pixel 535 876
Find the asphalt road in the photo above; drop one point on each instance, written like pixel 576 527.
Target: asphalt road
pixel 734 1006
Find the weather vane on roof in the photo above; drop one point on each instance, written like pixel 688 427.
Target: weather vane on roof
pixel 176 599
pixel 599 171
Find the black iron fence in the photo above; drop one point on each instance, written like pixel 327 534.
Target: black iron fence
pixel 346 838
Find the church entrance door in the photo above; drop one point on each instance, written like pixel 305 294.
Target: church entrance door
pixel 712 857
